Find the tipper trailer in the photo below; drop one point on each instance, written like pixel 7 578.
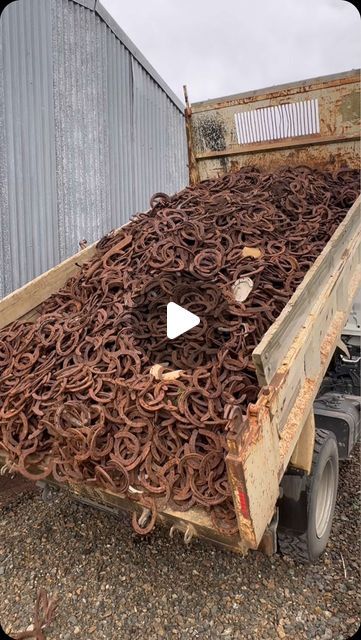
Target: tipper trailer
pixel 283 455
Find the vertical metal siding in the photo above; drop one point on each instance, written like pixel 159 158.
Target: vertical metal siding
pixel 88 131
pixel 28 239
pixel 120 119
pixel 81 132
pixel 5 273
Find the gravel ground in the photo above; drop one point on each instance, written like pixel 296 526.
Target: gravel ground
pixel 13 486
pixel 114 586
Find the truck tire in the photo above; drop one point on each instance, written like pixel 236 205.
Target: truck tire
pixel 321 492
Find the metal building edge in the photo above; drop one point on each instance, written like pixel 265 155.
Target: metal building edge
pixel 133 49
pixel 97 7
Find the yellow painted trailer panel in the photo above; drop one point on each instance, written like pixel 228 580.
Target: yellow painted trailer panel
pixel 326 110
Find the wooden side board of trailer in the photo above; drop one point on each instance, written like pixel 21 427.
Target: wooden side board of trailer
pixel 22 303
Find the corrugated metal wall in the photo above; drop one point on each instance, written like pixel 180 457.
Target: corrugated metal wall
pixel 28 232
pixel 88 131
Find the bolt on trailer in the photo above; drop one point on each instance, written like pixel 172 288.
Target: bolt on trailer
pixel 282 456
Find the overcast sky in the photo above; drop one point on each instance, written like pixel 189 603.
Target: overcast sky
pixel 219 47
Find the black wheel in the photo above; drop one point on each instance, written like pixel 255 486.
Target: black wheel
pixel 321 492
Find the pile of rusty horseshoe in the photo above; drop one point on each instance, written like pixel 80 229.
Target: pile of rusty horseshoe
pixel 78 398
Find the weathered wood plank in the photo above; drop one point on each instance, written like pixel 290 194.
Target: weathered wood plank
pixel 25 299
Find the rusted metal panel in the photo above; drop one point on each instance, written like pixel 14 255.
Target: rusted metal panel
pixel 332 155
pixel 331 141
pixel 281 90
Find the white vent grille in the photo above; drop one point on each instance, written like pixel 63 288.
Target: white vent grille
pixel 281 121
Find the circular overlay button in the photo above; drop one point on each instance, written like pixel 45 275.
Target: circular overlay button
pixel 150 316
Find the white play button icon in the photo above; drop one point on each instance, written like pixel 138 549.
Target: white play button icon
pixel 179 320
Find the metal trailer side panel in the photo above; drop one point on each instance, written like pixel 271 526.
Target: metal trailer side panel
pixel 314 122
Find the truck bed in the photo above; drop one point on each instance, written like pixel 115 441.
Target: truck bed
pixel 293 355
pixel 290 361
